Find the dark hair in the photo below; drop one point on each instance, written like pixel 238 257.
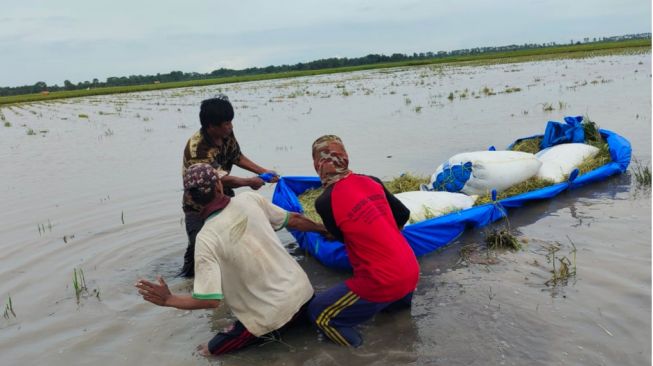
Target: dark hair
pixel 215 111
pixel 200 196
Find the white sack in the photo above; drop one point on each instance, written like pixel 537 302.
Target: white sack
pixel 493 170
pixel 426 205
pixel 559 160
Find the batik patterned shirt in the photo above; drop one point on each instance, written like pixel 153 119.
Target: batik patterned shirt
pixel 201 149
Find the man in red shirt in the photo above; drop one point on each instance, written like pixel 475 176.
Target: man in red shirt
pixel 358 210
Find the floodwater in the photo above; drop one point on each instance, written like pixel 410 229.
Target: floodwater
pixel 97 187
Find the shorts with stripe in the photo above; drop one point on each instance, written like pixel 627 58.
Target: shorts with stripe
pixel 338 310
pixel 237 336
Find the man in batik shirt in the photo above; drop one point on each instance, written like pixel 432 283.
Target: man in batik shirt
pixel 216 145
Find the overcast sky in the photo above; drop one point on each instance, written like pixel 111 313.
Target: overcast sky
pixel 80 40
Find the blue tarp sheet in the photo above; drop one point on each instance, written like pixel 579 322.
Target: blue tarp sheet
pixel 560 133
pixel 429 235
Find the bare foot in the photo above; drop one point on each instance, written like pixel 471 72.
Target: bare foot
pixel 203 349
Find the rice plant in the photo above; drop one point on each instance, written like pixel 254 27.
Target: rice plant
pixel 563 267
pixel 79 283
pixel 642 174
pixel 9 309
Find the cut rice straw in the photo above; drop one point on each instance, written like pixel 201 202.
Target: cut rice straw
pixel 528 185
pixel 404 183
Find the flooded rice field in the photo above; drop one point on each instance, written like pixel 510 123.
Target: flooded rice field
pixel 93 185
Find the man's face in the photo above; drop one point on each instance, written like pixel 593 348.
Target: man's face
pixel 330 157
pixel 220 131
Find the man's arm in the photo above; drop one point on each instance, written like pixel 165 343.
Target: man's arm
pixel 302 223
pixel 235 182
pixel 245 163
pixel 159 294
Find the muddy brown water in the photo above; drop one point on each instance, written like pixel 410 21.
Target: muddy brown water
pixel 98 187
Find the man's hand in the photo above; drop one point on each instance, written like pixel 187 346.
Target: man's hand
pixel 269 176
pixel 203 350
pixel 157 294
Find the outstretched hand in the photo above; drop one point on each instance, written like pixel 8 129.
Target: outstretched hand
pixel 157 294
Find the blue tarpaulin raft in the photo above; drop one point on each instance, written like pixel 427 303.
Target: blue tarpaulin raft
pixel 427 236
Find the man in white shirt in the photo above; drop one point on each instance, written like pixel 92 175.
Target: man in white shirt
pixel 240 260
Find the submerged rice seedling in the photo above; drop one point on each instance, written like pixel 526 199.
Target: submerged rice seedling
pixel 565 269
pixel 547 107
pixel 79 283
pixel 642 174
pixel 9 309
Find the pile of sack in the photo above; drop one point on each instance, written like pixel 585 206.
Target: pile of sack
pixel 457 183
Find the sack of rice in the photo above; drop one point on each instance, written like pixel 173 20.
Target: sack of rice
pixel 482 171
pixel 427 205
pixel 559 160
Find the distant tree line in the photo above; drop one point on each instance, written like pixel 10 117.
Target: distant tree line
pixel 333 62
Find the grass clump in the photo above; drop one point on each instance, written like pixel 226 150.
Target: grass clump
pixel 501 239
pixel 642 174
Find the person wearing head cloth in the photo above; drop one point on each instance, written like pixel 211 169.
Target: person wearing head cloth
pixel 216 145
pixel 240 260
pixel 360 212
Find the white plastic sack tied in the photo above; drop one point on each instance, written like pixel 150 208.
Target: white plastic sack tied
pixel 480 172
pixel 427 205
pixel 558 161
